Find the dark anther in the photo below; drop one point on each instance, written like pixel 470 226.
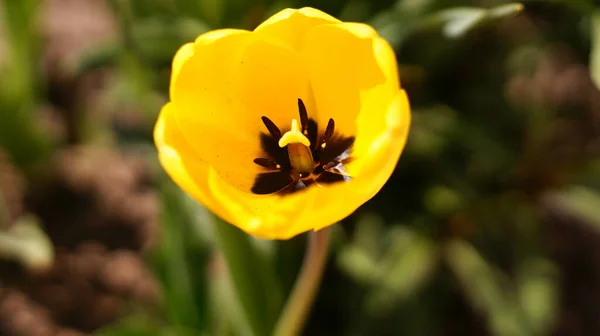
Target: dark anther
pixel 329 130
pixel 267 163
pixel 303 115
pixel 273 129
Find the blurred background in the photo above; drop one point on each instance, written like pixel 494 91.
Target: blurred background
pixel 490 224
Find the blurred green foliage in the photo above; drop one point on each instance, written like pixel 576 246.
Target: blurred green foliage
pixel 20 85
pixel 457 241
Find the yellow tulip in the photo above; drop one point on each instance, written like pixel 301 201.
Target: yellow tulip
pixel 287 128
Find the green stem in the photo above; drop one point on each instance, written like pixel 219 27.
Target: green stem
pixel 301 299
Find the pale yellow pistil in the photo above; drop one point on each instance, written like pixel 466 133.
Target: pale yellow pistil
pixel 299 151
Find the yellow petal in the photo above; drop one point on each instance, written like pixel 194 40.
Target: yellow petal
pixel 223 90
pixel 269 217
pixel 291 25
pixel 374 117
pixel 181 56
pixel 202 75
pixel 348 63
pixel 383 52
pixel 357 99
pixel 173 151
pixel 268 81
pixel 376 160
pixel 188 50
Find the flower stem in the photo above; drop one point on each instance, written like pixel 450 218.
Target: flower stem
pixel 294 314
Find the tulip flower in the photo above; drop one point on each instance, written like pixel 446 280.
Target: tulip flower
pixel 287 128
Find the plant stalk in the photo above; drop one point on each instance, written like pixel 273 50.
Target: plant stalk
pixel 295 312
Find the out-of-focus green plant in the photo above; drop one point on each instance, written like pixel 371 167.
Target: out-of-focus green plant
pixel 526 306
pixel 394 263
pixel 579 201
pixel 20 84
pixel 412 18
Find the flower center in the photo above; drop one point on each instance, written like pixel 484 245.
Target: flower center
pixel 298 147
pixel 301 157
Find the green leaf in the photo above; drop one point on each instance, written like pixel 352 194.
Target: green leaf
pixel 358 263
pixel 487 288
pixel 255 283
pixel 404 269
pixel 19 18
pixel 452 23
pixel 227 314
pixel 538 294
pixel 180 262
pixel 443 201
pixel 578 201
pixel 19 84
pixel 457 22
pixel 145 325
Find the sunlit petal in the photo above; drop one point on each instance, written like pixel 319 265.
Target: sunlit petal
pixel 290 26
pixel 173 150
